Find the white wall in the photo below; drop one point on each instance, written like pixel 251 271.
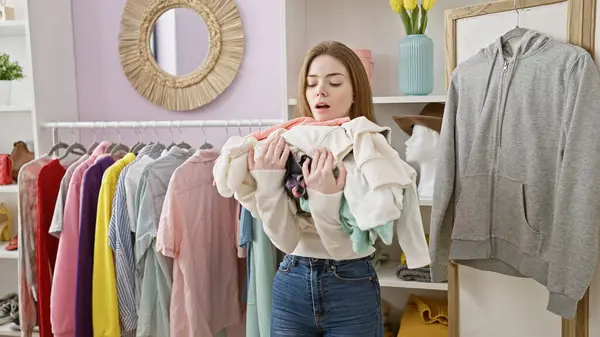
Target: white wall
pixel 53 60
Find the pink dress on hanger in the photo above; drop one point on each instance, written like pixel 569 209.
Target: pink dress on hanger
pixel 197 229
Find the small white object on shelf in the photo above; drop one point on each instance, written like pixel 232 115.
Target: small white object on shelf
pixel 397 99
pixel 12 28
pixel 8 254
pixel 387 278
pixel 14 108
pixel 13 188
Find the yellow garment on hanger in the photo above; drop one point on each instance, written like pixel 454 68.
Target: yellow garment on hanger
pixel 105 306
pixel 424 317
pixel 5 223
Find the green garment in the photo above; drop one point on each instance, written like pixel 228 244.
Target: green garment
pixel 361 240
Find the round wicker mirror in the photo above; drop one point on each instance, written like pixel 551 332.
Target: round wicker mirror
pixel 207 81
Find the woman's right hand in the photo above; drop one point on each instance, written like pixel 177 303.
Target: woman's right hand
pixel 273 155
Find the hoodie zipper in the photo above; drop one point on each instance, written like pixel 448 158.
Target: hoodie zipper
pixel 506 84
pixel 497 143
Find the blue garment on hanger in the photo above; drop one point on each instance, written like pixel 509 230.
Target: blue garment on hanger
pixel 260 283
pixel 246 223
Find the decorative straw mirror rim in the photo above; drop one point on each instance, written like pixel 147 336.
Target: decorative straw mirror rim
pixel 211 78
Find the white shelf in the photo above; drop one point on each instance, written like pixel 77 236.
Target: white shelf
pixel 426 201
pixel 14 108
pixel 5 330
pixel 14 188
pixel 397 99
pixel 8 254
pixel 12 28
pixel 387 278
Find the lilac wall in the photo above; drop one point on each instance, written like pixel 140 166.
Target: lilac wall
pixel 104 93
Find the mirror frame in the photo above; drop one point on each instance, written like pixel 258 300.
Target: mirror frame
pixel 208 80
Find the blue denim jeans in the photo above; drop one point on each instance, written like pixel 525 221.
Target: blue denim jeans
pixel 317 297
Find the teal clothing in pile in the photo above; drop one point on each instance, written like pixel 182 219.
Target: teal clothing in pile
pixel 361 240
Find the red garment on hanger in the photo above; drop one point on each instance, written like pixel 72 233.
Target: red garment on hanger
pixel 47 245
pixel 260 135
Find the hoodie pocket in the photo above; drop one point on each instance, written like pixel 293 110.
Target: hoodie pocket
pixel 511 222
pixel 473 209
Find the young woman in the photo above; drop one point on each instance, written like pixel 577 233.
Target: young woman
pixel 322 287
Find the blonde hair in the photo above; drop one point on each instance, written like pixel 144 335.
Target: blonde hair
pixel 363 98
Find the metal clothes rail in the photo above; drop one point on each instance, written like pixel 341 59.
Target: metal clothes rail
pixel 162 124
pixel 158 124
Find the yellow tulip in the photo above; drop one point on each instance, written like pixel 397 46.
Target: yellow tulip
pixel 428 4
pixel 410 4
pixel 396 5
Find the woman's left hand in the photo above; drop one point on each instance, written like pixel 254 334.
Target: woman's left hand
pixel 320 176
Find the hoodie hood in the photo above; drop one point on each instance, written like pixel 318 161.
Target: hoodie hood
pixel 500 52
pixel 530 43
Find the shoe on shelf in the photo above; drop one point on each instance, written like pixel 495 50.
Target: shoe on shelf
pixel 13 244
pixel 9 308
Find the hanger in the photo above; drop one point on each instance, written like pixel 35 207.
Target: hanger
pixel 182 144
pixel 111 145
pixel 118 146
pixel 250 127
pixel 92 147
pixel 172 136
pixel 75 148
pixel 206 144
pixel 144 130
pixel 138 139
pixel 135 149
pixel 157 146
pixel 58 146
pixel 516 32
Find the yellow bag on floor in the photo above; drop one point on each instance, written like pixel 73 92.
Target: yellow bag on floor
pixel 5 223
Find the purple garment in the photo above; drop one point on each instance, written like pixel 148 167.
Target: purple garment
pixel 90 189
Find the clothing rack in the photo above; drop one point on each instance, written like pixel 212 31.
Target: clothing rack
pixel 159 124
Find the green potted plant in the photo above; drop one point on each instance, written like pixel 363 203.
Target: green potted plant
pixel 9 71
pixel 415 64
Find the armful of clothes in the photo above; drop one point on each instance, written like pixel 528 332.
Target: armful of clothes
pixel 377 180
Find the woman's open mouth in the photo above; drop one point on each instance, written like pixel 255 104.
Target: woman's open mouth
pixel 322 106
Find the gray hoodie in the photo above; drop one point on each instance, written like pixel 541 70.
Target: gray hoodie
pixel 517 187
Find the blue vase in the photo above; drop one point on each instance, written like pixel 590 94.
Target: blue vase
pixel 416 65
